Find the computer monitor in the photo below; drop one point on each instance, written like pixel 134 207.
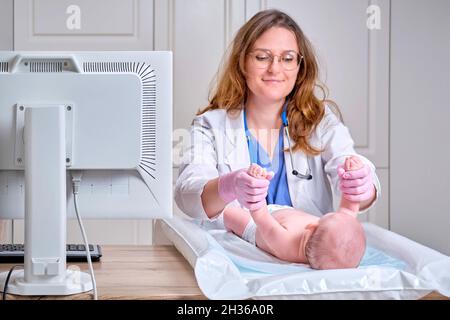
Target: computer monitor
pixel 106 115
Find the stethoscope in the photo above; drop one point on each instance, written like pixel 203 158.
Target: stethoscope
pixel 307 175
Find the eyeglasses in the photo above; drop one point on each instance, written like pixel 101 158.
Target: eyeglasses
pixel 262 59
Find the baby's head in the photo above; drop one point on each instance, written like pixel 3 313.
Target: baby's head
pixel 338 242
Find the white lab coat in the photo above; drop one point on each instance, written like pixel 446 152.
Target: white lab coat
pixel 218 145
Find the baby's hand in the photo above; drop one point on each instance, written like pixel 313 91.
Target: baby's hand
pixel 261 173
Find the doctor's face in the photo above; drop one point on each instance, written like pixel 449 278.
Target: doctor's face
pixel 272 65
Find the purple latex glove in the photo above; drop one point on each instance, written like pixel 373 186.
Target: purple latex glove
pixel 356 185
pixel 249 191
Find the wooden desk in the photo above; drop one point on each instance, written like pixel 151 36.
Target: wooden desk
pixel 143 272
pixel 137 272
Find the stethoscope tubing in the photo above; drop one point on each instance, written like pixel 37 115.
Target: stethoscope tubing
pixel 307 175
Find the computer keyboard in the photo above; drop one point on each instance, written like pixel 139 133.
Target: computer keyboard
pixel 13 253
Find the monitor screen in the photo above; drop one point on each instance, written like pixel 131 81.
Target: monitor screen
pixel 118 116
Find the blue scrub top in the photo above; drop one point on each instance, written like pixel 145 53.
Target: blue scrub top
pixel 278 192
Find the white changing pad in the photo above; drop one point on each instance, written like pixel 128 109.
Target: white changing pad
pixel 227 267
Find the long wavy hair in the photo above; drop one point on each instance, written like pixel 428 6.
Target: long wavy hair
pixel 304 109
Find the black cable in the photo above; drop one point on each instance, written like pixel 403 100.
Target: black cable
pixel 5 287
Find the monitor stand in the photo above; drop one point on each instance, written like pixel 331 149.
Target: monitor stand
pixel 45 271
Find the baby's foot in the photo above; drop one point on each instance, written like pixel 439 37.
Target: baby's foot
pixel 353 163
pixel 257 171
pixel 352 208
pixel 260 173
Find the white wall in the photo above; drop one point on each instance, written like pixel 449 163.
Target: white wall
pixel 6 43
pixel 420 121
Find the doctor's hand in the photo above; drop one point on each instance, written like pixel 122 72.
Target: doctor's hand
pixel 250 192
pixel 356 185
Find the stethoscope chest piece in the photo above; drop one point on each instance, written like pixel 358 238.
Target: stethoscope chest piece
pixel 306 176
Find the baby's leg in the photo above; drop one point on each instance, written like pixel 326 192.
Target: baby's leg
pixel 347 206
pixel 271 232
pixel 236 220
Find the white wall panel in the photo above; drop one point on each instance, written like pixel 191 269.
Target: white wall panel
pixel 104 25
pixel 198 43
pixel 6 24
pixel 379 213
pixel 6 43
pixel 420 116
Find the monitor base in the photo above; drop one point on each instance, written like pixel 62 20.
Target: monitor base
pixel 74 282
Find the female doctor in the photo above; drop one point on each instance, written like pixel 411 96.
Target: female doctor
pixel 264 110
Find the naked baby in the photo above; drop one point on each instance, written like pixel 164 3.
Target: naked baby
pixel 334 241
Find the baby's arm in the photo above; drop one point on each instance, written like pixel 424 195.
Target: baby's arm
pixel 347 206
pixel 270 229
